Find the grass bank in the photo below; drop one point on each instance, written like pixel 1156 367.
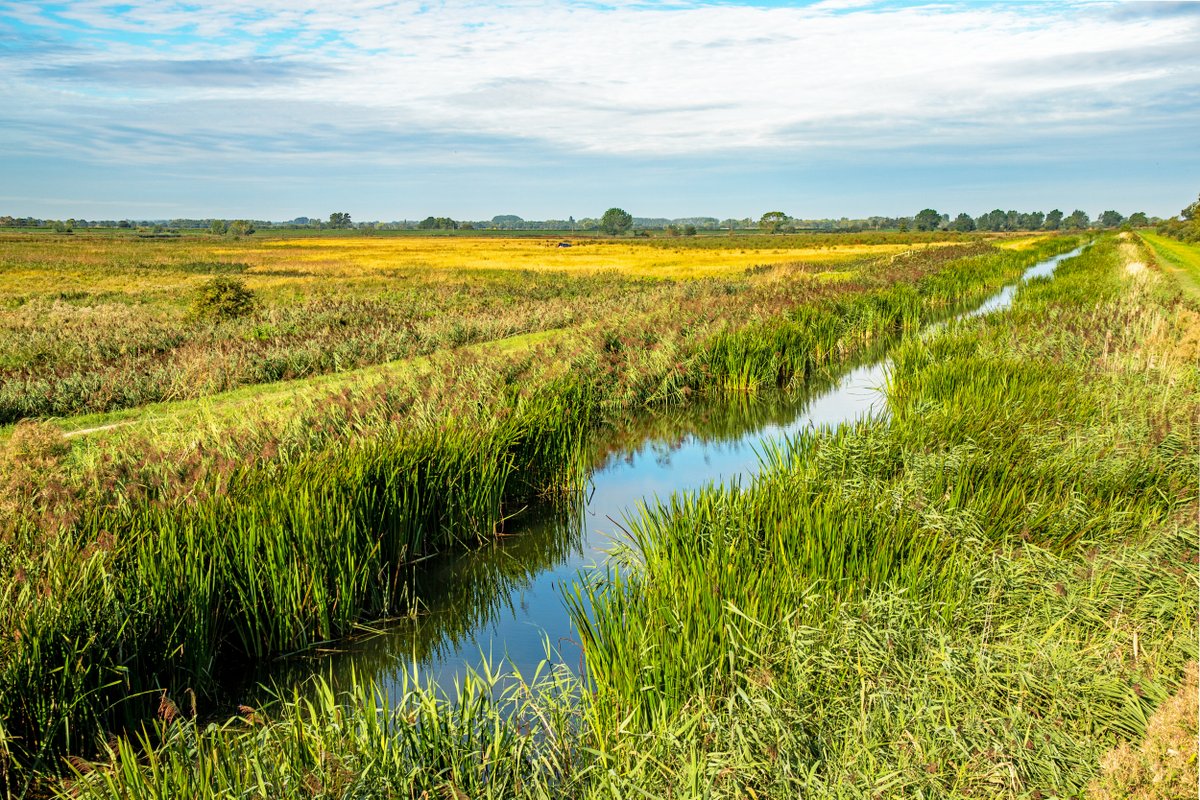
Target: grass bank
pixel 1181 259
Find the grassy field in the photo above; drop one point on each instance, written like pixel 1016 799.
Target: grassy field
pixel 99 323
pixel 992 593
pixel 1180 259
pixel 330 484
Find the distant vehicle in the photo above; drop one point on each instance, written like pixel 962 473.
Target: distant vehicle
pixel 563 244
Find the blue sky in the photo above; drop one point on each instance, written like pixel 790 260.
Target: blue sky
pixel 392 110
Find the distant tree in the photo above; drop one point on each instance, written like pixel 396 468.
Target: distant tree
pixel 339 219
pixel 1138 219
pixel 1053 220
pixel 1192 212
pixel 670 230
pixel 1110 219
pixel 1077 220
pixel 124 224
pixel 963 223
pixel 61 227
pixel 1185 227
pixel 772 221
pixel 218 227
pixel 994 220
pixel 437 224
pixel 241 227
pixel 616 221
pixel 927 220
pixel 506 219
pixel 689 230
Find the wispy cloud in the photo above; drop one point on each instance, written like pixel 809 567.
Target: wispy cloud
pixel 292 79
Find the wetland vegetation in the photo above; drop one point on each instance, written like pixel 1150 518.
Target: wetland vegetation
pixel 982 592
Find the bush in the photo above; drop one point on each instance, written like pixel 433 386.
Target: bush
pixel 223 298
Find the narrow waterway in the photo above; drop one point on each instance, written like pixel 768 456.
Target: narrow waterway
pixel 503 603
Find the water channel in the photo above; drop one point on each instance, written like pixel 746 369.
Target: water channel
pixel 503 602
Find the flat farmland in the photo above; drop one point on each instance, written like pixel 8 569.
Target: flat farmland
pixel 102 323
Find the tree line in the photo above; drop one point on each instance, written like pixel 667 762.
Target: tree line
pixel 616 221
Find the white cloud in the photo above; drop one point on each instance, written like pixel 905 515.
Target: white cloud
pixel 627 78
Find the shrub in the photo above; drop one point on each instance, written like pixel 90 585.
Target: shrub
pixel 223 298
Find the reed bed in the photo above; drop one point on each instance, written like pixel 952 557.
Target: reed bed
pixel 1016 542
pixel 146 564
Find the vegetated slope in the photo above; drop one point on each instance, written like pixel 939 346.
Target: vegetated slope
pixel 168 559
pixel 1181 259
pixel 979 597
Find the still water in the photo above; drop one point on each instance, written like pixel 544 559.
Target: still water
pixel 503 602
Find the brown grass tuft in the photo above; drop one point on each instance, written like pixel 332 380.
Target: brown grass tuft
pixel 1163 766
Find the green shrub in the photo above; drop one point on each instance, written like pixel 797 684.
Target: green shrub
pixel 223 298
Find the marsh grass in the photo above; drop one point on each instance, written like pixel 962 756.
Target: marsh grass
pixel 170 556
pixel 982 594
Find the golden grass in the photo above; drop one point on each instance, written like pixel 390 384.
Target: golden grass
pixel 350 256
pixel 1163 766
pixel 1021 242
pixel 105 264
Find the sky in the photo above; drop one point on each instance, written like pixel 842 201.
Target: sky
pixel 156 109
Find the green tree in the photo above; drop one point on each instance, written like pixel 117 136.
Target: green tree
pixel 240 227
pixel 339 219
pixel 1191 212
pixel 437 224
pixel 927 220
pixel 218 227
pixel 772 221
pixel 1111 219
pixel 223 297
pixel 616 221
pixel 1138 219
pixel 1053 220
pixel 963 223
pixel 1077 220
pixel 689 230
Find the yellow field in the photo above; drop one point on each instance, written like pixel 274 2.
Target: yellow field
pixel 1020 242
pixel 166 268
pixel 350 256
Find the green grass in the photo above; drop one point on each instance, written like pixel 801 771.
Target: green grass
pixel 979 596
pixel 183 416
pixel 1180 259
pixel 235 544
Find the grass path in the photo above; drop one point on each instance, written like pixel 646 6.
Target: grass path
pixel 1178 259
pixel 279 395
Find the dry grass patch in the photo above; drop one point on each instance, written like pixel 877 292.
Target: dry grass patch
pixel 1163 766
